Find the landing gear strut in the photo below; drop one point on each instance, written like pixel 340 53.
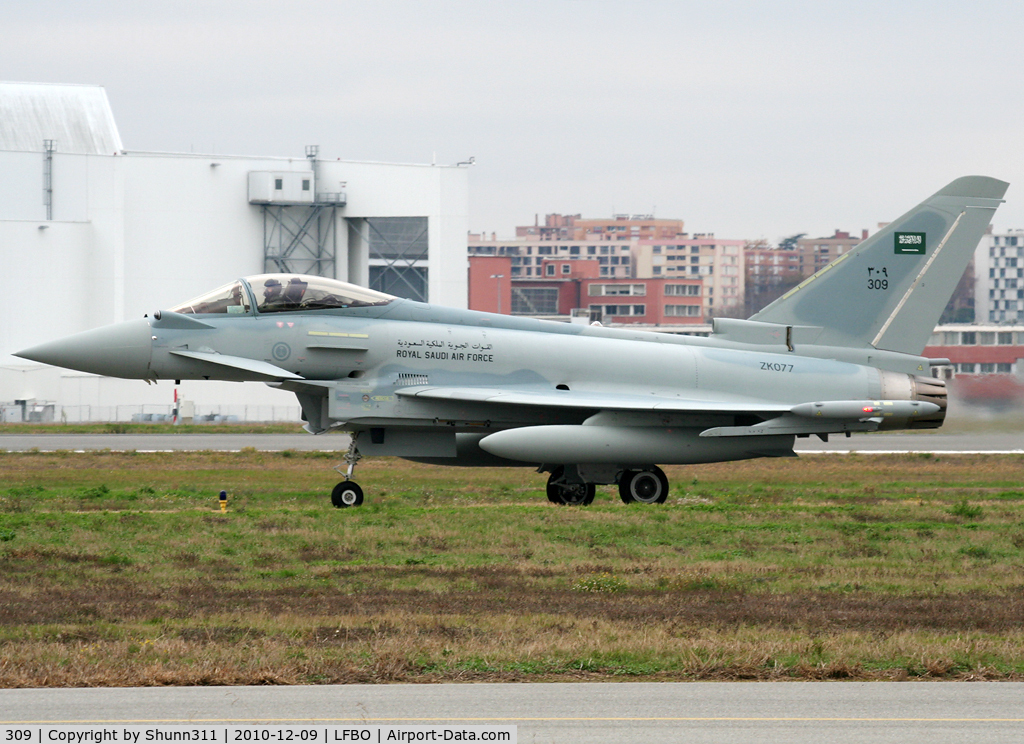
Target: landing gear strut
pixel 348 493
pixel 565 493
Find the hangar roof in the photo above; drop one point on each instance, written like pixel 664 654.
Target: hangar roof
pixel 77 116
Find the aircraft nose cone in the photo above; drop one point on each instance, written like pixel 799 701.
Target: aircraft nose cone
pixel 119 350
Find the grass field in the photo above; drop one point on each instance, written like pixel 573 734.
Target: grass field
pixel 119 569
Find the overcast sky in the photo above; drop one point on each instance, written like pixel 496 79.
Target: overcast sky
pixel 746 119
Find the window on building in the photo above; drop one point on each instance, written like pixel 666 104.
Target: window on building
pixel 550 270
pixel 401 281
pixel 574 250
pixel 398 248
pixel 620 310
pixel 610 290
pixel 987 369
pixel 1004 368
pixel 566 269
pixel 968 338
pixel 682 290
pixel 986 338
pixel 690 311
pixel 966 368
pixel 305 184
pixel 656 270
pixel 534 300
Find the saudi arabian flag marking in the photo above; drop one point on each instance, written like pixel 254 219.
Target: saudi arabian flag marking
pixel 909 243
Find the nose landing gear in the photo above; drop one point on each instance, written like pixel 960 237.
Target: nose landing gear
pixel 348 493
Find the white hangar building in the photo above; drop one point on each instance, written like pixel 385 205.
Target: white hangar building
pixel 92 234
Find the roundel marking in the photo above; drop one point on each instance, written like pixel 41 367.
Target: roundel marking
pixel 281 351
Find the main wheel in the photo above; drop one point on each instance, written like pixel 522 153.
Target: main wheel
pixel 347 493
pixel 643 486
pixel 569 494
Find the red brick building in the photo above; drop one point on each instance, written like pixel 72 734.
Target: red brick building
pixel 986 362
pixel 573 284
pixel 490 284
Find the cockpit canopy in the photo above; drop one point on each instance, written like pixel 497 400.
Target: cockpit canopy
pixel 282 293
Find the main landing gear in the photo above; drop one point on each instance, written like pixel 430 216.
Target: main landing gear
pixel 565 493
pixel 348 493
pixel 643 486
pixel 567 487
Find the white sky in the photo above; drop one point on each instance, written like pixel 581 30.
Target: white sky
pixel 746 119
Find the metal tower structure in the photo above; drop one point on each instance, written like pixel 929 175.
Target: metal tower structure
pixel 302 238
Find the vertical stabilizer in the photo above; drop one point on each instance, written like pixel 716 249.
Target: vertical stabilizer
pixel 890 290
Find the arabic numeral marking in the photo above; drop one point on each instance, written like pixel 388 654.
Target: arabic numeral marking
pixel 878 284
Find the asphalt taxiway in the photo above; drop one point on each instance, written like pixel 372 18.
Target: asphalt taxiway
pixel 591 713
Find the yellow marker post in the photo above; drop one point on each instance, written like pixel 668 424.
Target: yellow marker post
pixel 223 501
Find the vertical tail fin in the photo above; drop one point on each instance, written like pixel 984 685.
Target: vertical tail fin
pixel 890 290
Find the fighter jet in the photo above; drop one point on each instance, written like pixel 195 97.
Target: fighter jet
pixel 588 405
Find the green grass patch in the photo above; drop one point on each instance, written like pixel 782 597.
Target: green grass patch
pixel 113 565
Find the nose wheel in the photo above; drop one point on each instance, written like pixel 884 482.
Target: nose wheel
pixel 348 493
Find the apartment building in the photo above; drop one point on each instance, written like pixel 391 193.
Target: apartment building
pixel 528 255
pixel 717 262
pixel 816 253
pixel 999 278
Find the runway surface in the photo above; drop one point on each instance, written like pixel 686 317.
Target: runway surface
pixel 624 713
pixel 897 442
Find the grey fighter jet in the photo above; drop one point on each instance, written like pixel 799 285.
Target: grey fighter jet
pixel 589 405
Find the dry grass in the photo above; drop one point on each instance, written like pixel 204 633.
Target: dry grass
pixel 398 646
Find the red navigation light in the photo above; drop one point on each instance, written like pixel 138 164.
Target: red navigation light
pixel 868 409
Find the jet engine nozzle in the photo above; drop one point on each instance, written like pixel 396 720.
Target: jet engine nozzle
pixel 930 390
pixel 897 386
